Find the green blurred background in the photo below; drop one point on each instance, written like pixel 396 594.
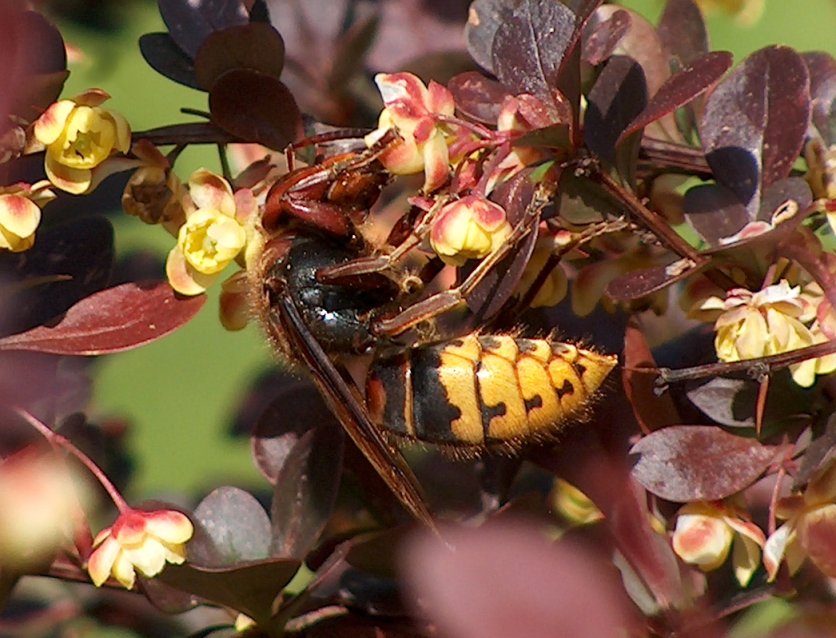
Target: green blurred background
pixel 181 393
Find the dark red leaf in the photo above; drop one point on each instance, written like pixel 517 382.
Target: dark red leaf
pixel 236 527
pixel 641 283
pixel 483 20
pixel 249 588
pixel 306 491
pixel 778 194
pixel 296 409
pixel 192 133
pixel 256 108
pixel 652 411
pixel 714 212
pixel 532 45
pixel 617 97
pixel 113 320
pixel 682 31
pixel 191 21
pixel 33 63
pixel 163 55
pixel 681 88
pixel 600 38
pixel 822 69
pixel 730 402
pixel 701 462
pixel 256 46
pixel 478 97
pixel 754 123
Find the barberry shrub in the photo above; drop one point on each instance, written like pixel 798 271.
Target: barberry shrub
pixel 640 230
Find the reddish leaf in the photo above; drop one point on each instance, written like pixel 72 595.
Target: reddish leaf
pixel 651 410
pixel 534 46
pixel 754 123
pixel 682 31
pixel 640 283
pixel 190 22
pixel 477 97
pixel 113 320
pixel 236 527
pixel 822 69
pixel 695 463
pixel 681 88
pixel 256 46
pixel 617 98
pixel 256 108
pixel 166 58
pixel 602 37
pixel 249 588
pixel 714 212
pixel 306 491
pixel 483 20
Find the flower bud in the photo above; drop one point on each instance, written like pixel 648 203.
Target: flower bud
pixel 469 228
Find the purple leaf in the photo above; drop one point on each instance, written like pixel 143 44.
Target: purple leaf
pixel 617 97
pixel 306 491
pixel 236 526
pixel 164 56
pixel 256 108
pixel 681 88
pixel 534 46
pixel 113 320
pixel 483 21
pixel 682 31
pixel 600 38
pixel 250 588
pixel 478 97
pixel 640 283
pixel 699 462
pixel 256 46
pixel 822 69
pixel 714 212
pixel 191 21
pixel 754 123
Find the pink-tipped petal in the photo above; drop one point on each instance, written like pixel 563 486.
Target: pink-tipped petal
pixel 211 191
pixel 19 215
pixel 49 126
pixel 92 97
pixel 182 277
pixel 169 525
pixel 436 163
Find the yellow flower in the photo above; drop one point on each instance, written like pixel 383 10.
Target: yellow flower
pixel 20 214
pixel 139 541
pixel 763 323
pixel 214 233
pixel 80 136
pixel 706 531
pixel 810 527
pixel 469 228
pixel 411 110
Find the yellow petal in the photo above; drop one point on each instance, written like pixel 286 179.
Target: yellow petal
pixel 101 561
pixel 182 277
pixel 210 191
pixel 19 215
pixel 169 526
pixel 71 180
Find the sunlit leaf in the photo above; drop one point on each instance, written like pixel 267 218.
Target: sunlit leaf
pixel 693 463
pixel 116 319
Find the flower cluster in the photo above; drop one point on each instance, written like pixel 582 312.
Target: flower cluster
pixel 767 322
